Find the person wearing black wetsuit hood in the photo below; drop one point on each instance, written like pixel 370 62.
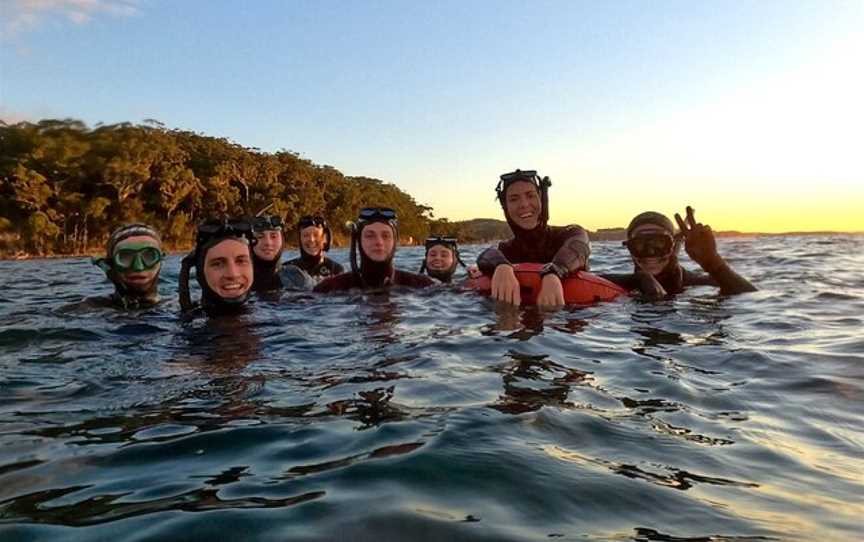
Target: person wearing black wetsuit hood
pixel 374 238
pixel 654 245
pixel 222 259
pixel 267 253
pixel 524 197
pixel 314 236
pixel 442 257
pixel 133 259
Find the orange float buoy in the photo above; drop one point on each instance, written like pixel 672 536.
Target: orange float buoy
pixel 580 288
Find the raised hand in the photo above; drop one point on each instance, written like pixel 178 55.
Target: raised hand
pixel 699 241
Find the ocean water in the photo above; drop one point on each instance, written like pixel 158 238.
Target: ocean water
pixel 438 415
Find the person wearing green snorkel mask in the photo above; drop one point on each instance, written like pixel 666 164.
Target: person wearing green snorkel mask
pixel 133 259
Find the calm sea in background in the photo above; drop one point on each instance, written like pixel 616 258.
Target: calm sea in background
pixel 437 415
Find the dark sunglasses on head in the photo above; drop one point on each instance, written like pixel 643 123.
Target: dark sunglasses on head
pixel 230 227
pixel 656 245
pixel 267 222
pixel 311 220
pixel 137 259
pixel 377 213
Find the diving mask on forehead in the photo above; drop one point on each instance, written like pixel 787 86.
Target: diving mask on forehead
pixel 316 221
pixel 311 220
pixel 528 176
pixel 377 214
pixel 267 222
pixel 223 229
pixel 449 242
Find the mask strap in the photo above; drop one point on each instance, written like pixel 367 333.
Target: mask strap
pixel 355 268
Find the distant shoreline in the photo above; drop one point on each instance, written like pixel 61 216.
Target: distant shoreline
pixel 607 234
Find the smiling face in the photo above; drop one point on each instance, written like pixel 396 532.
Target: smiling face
pixel 523 204
pixel 269 244
pixel 138 279
pixel 377 241
pixel 228 268
pixel 654 266
pixel 439 258
pixel 312 240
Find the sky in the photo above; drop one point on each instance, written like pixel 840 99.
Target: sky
pixel 750 111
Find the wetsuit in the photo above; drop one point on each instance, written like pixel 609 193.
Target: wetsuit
pixel 674 278
pixel 568 247
pixel 320 267
pixel 123 296
pixel 349 280
pixel 673 281
pixel 266 275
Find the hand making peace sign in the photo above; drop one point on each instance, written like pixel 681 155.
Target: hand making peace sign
pixel 699 241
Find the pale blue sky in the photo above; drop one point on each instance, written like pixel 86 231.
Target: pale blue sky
pixel 706 102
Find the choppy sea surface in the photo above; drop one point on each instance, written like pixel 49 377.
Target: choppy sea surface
pixel 438 415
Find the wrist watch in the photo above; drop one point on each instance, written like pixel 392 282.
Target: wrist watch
pixel 553 269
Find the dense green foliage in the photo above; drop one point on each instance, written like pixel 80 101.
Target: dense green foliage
pixel 64 186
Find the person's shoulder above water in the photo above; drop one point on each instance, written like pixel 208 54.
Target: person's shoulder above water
pixel 654 245
pixel 524 198
pixel 406 278
pixel 294 277
pixel 336 283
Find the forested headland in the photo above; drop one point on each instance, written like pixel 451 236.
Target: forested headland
pixel 65 186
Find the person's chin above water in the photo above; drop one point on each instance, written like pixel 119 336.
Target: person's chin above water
pixel 269 244
pixel 377 241
pixel 138 281
pixel 656 264
pixel 440 258
pixel 312 240
pixel 523 204
pixel 228 269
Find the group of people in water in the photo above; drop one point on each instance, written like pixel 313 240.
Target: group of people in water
pixel 234 257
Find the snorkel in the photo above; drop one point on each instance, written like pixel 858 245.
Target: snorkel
pixel 368 271
pixel 210 234
pixel 128 262
pixel 542 185
pixel 449 243
pixel 316 221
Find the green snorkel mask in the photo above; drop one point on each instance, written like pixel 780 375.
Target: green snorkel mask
pixel 132 257
pixel 137 257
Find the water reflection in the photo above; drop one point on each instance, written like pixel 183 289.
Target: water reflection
pixel 371 408
pixel 219 345
pixel 531 382
pixel 104 508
